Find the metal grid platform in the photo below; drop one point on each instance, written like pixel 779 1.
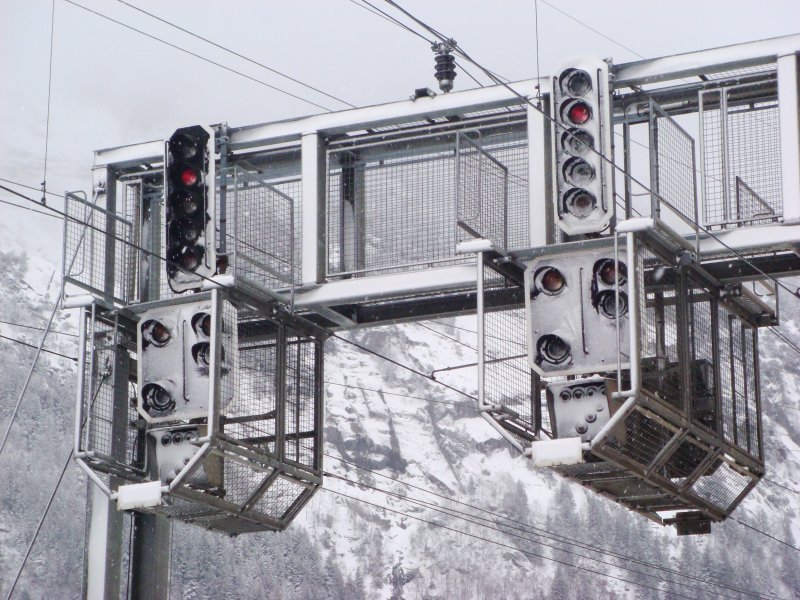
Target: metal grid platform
pixel 253 463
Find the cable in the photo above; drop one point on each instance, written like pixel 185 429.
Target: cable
pixel 548 534
pixel 501 544
pixel 452 403
pixel 49 88
pixel 38 328
pixel 50 501
pixel 403 366
pixel 488 524
pixel 33 210
pixel 226 49
pixel 600 33
pixel 602 156
pixel 764 533
pixel 781 336
pixel 30 187
pixel 203 58
pixel 780 485
pixel 72 358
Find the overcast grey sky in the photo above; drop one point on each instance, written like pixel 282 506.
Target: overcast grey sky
pixel 112 86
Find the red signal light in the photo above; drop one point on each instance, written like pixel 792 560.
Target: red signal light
pixel 189 177
pixel 579 112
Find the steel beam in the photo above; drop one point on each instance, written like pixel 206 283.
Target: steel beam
pixel 705 61
pixel 788 107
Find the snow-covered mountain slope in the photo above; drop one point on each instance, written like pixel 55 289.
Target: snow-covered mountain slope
pixel 496 527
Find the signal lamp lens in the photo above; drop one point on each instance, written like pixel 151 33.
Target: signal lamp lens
pixel 577 394
pixel 550 281
pixel 177 437
pixel 607 304
pixel 577 142
pixel 185 202
pixel 565 394
pixel 608 274
pixel 166 439
pixel 202 353
pixel 201 323
pixel 156 400
pixel 184 146
pixel 576 82
pixel 579 203
pixel 577 112
pixel 189 258
pixel 552 349
pixel 578 172
pixel 156 333
pixel 189 176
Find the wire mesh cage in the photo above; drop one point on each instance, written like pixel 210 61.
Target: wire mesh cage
pixel 391 199
pixel 254 461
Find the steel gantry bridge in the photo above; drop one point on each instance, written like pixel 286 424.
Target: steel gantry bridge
pixel 628 223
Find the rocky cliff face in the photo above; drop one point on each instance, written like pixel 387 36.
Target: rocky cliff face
pixel 496 528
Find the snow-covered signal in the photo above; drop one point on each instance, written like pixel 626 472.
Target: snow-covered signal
pixel 189 192
pixel 582 179
pixel 175 349
pixel 572 303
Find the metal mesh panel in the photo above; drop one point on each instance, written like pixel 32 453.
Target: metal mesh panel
pixel 391 206
pixel 741 159
pixel 264 230
pixel 279 497
pixel 673 164
pixel 241 480
pixel 301 394
pixel 640 438
pixel 659 329
pixel 97 249
pixel 722 486
pixel 481 192
pixel 507 378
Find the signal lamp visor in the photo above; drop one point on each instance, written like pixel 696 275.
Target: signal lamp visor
pixel 607 271
pixel 578 172
pixel 607 304
pixel 201 323
pixel 552 349
pixel 550 281
pixel 184 146
pixel 156 333
pixel 576 112
pixel 157 400
pixel 577 142
pixel 576 82
pixel 185 175
pixel 579 203
pixel 189 258
pixel 186 202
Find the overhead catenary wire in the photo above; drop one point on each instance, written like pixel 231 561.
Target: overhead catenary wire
pixel 525 526
pixel 526 536
pixel 24 343
pixel 49 98
pixel 500 544
pixel 199 56
pixel 237 54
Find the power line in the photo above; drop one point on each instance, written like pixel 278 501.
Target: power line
pixel 531 537
pixel 49 95
pixel 22 343
pixel 30 187
pixel 33 210
pixel 764 533
pixel 540 531
pixel 497 543
pixel 37 328
pixel 203 58
pixel 238 54
pixel 451 402
pixel 602 156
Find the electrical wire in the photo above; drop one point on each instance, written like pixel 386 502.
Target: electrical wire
pixel 33 210
pixel 601 156
pixel 38 328
pixel 30 187
pixel 50 501
pixel 356 387
pixel 764 533
pixel 525 527
pixel 49 96
pixel 196 55
pixel 237 54
pixel 22 343
pixel 495 526
pixel 500 544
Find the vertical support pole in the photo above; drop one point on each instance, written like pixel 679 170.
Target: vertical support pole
pixel 351 214
pixel 314 247
pixel 716 352
pixel 685 327
pixel 702 171
pixel 655 206
pixel 150 559
pixel 103 552
pixel 540 180
pixel 110 242
pixel 789 115
pixel 726 184
pixel 626 164
pixel 480 330
pixel 280 392
pixel 757 396
pixel 222 148
pixel 319 401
